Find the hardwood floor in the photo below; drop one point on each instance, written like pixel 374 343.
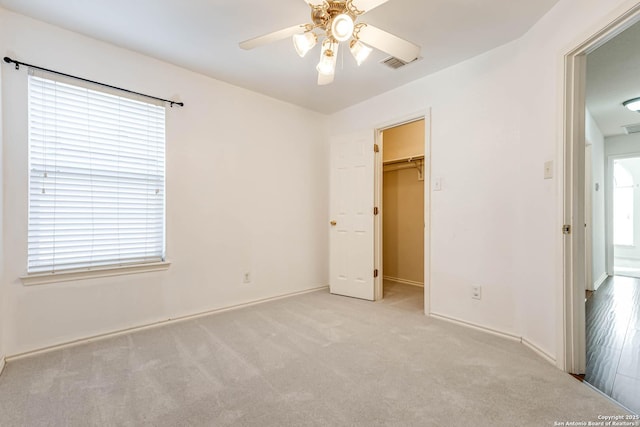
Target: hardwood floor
pixel 613 340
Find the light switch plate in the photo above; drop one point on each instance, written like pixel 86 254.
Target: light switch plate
pixel 437 184
pixel 548 169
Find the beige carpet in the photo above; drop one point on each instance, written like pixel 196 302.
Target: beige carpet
pixel 314 359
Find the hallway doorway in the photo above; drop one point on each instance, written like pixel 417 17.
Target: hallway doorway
pixel 612 221
pixel 618 129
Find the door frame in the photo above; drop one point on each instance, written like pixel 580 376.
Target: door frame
pixel 377 225
pixel 572 334
pixel 588 216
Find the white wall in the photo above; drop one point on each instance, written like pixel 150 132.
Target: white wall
pixel 3 318
pixel 247 185
pixel 598 226
pixel 473 217
pixel 496 119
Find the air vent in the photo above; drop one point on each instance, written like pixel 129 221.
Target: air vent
pixel 632 128
pixel 396 63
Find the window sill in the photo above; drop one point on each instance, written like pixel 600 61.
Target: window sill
pixel 67 276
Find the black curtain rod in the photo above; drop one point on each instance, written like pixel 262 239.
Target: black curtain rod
pixel 18 64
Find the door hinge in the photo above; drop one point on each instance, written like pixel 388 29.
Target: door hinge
pixel 375 273
pixel 376 210
pixel 376 148
pixel 566 229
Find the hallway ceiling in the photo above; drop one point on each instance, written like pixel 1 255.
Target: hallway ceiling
pixel 203 35
pixel 613 76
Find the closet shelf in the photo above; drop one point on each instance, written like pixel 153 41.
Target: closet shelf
pixel 403 160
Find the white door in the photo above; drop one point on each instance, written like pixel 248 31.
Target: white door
pixel 351 214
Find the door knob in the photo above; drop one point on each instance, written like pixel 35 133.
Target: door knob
pixel 333 223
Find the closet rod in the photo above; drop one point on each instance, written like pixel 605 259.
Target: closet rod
pixel 399 166
pixel 405 160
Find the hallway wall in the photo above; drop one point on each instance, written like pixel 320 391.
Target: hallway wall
pixel 598 225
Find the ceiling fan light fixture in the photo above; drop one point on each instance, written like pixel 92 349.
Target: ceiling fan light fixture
pixel 304 42
pixel 327 64
pixel 332 23
pixel 342 27
pixel 633 104
pixel 360 51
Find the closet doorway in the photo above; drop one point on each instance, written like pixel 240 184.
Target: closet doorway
pixel 403 218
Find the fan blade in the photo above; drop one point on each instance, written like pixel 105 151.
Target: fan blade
pixel 324 79
pixel 388 43
pixel 367 5
pixel 272 37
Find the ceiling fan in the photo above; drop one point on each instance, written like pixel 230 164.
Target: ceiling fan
pixel 336 21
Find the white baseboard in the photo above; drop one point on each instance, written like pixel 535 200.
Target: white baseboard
pixel 600 281
pixel 477 327
pixel 540 352
pixel 153 325
pixel 2 363
pixel 507 335
pixel 403 281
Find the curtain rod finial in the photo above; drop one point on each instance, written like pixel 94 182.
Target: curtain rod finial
pixel 9 61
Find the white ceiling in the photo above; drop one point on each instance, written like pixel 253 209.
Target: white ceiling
pixel 203 35
pixel 613 76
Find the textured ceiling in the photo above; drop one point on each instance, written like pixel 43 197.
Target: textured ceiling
pixel 203 35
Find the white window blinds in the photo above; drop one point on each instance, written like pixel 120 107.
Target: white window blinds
pixel 96 182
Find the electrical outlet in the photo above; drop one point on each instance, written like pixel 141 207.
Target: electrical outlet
pixel 246 277
pixel 476 292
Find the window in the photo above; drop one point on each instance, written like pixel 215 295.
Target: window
pixel 96 180
pixel 622 205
